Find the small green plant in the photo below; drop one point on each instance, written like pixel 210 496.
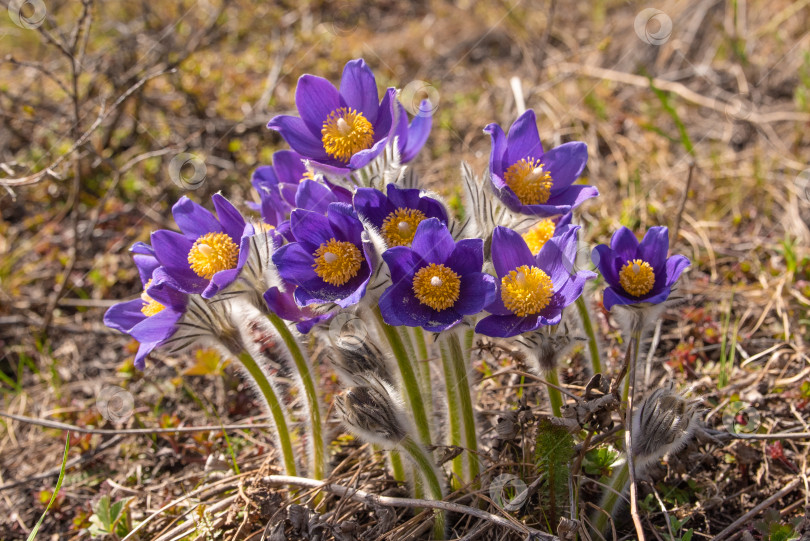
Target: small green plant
pixel 554 447
pixel 601 461
pixel 111 518
pixel 772 529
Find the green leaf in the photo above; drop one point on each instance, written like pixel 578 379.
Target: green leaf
pixel 55 490
pixel 553 451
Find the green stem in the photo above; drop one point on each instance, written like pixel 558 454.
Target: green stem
pixel 412 392
pixel 554 394
pixel 396 465
pixel 464 393
pixel 611 498
pixel 276 410
pixel 424 366
pixel 425 465
pixel 313 404
pixel 587 326
pixel 636 336
pixel 453 414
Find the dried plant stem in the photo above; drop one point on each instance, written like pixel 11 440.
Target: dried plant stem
pixel 554 395
pixel 628 436
pixel 587 326
pixel 408 376
pixel 302 365
pixel 428 472
pixel 276 410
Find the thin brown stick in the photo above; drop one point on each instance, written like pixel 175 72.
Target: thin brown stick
pixel 763 505
pixel 677 227
pixel 628 442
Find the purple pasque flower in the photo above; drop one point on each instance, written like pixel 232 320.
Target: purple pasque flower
pixel 531 181
pixel 339 130
pixel 211 250
pixel 329 261
pixel 546 228
pixel 533 290
pixel 638 272
pixel 152 318
pixel 276 185
pixel 436 281
pixel 397 215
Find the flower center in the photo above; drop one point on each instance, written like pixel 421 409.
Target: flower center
pixel 337 262
pixel 537 236
pixel 399 227
pixel 436 286
pixel 150 306
pixel 211 253
pixel 346 132
pixel 637 277
pixel 530 182
pixel 526 290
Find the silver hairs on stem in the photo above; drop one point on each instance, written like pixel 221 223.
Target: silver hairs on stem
pixel 373 411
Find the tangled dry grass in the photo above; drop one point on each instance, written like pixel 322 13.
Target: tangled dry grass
pixel 88 133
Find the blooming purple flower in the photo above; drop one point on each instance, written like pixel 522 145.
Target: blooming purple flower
pixel 532 289
pixel 531 181
pixel 341 130
pixel 210 252
pixel 152 318
pixel 436 281
pixel 328 262
pixel 397 216
pixel 638 273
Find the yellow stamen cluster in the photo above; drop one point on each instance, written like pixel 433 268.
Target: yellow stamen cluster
pixel 537 236
pixel 337 262
pixel 211 253
pixel 529 180
pixel 150 306
pixel 346 132
pixel 526 290
pixel 399 227
pixel 307 175
pixel 436 286
pixel 637 277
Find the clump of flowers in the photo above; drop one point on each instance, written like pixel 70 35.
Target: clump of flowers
pixel 342 229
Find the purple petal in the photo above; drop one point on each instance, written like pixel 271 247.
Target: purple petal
pixel 172 251
pixel 146 265
pixel 289 166
pixel 364 157
pixel 608 262
pixel 506 326
pixel 572 197
pixel 675 266
pixel 523 141
pixel 496 158
pixel 467 256
pixel 358 88
pixel 193 219
pixel 565 163
pixel 294 263
pixel 232 221
pixel 314 196
pixel 432 241
pixel 297 135
pixel 384 126
pixel 144 349
pixel 124 315
pixel 315 98
pixel 402 263
pixel 344 223
pixel 625 243
pixel 283 304
pixel 372 205
pixel 509 251
pixel 156 328
pixel 310 229
pixel 477 290
pixel 418 132
pixel 653 248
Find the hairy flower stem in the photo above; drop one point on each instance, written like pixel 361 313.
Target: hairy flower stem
pixel 587 326
pixel 311 392
pixel 276 410
pixel 428 471
pixel 464 393
pixel 453 413
pixel 424 366
pixel 611 498
pixel 554 395
pixel 409 381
